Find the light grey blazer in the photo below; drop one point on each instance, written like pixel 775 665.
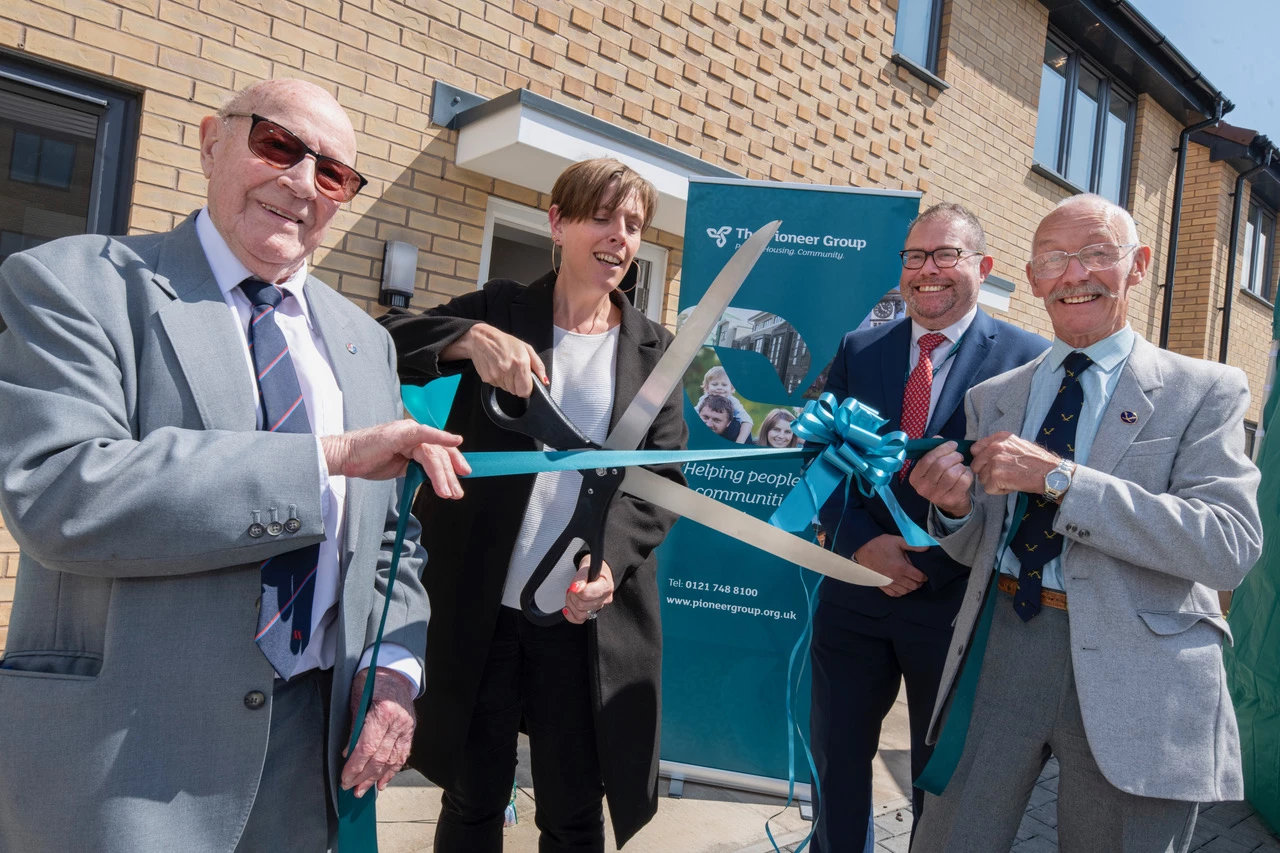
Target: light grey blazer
pixel 1165 514
pixel 130 467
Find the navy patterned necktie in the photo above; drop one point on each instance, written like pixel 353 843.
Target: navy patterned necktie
pixel 1036 542
pixel 288 580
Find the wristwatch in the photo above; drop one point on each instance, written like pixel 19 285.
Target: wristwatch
pixel 1057 481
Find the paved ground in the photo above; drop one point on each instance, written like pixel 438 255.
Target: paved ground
pixel 717 820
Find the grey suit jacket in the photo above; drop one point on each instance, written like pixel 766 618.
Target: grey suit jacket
pixel 130 467
pixel 1165 514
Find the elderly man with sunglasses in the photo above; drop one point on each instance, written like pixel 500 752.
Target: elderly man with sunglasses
pixel 199 452
pixel 1108 499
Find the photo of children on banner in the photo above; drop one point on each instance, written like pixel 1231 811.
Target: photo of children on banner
pixel 716 383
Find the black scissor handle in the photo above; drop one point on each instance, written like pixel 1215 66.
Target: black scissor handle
pixel 587 524
pixel 542 419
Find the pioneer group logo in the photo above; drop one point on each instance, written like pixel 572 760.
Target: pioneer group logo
pixel 720 235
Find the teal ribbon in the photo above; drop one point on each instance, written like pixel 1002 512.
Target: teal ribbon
pixel 357 816
pixel 800 652
pixel 937 774
pixel 852 451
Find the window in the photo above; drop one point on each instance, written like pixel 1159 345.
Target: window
pixel 917 32
pixel 1250 439
pixel 1084 132
pixel 1259 238
pixel 40 159
pixel 66 155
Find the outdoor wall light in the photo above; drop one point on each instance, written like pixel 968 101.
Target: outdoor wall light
pixel 399 270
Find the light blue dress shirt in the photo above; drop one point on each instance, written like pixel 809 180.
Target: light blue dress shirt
pixel 1109 356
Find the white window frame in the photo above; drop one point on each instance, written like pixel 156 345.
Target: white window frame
pixel 535 221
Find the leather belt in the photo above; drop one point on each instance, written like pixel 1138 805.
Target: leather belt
pixel 1048 597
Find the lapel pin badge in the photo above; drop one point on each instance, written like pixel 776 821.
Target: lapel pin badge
pixel 353 349
pixel 1128 417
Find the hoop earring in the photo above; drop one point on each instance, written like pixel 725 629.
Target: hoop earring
pixel 555 269
pixel 634 266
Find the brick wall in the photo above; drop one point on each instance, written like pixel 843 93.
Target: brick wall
pixel 1202 256
pixel 8 572
pixel 1251 318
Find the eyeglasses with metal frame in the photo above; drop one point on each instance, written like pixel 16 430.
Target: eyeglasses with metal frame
pixel 1095 258
pixel 944 257
pixel 277 146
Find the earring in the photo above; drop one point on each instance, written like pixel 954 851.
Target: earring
pixel 634 266
pixel 554 268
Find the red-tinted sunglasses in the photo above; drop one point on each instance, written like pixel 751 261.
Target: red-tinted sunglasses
pixel 277 146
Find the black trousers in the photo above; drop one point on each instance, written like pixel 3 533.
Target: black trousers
pixel 859 662
pixel 538 676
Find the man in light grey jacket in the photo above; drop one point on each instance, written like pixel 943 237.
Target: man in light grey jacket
pixel 1108 498
pixel 199 446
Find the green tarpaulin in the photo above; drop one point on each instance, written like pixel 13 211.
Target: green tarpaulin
pixel 1253 664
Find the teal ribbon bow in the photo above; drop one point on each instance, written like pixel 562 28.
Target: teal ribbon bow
pixel 853 452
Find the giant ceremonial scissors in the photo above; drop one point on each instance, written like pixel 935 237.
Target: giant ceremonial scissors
pixel 543 420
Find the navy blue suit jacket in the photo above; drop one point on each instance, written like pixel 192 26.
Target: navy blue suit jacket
pixel 871 366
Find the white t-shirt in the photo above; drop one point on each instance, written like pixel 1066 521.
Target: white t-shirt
pixel 582 384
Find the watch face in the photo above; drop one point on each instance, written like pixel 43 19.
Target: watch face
pixel 1057 481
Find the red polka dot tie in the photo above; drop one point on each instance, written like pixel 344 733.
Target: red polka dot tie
pixel 919 390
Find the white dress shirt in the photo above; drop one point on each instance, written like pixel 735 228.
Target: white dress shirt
pixel 323 399
pixel 942 357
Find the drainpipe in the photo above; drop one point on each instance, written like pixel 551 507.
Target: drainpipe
pixel 1183 141
pixel 1231 251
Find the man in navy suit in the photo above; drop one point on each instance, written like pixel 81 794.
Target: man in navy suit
pixel 867 639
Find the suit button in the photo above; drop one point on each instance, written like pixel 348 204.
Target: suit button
pixel 254 699
pixel 1071 528
pixel 292 526
pixel 274 528
pixel 1084 534
pixel 256 530
pixel 960 650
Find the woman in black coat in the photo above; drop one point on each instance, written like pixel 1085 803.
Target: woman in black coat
pixel 587 691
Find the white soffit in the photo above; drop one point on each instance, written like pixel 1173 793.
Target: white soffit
pixel 529 141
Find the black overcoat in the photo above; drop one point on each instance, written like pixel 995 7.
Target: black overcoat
pixel 469 544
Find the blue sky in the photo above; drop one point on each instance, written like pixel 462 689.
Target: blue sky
pixel 1233 43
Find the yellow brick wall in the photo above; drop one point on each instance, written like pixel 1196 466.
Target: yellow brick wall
pixel 1202 256
pixel 8 572
pixel 1150 200
pixel 987 122
pixel 799 91
pixel 1251 318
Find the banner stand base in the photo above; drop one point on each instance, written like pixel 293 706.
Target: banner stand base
pixel 680 773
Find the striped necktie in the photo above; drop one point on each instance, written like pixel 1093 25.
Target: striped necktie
pixel 288 579
pixel 1036 542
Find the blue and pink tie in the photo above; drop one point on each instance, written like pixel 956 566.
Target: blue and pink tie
pixel 288 580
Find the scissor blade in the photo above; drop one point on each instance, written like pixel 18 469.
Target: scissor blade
pixel 737 524
pixel 634 424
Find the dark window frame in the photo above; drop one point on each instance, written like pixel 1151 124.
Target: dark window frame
pixel 934 41
pixel 1066 121
pixel 116 146
pixel 1257 212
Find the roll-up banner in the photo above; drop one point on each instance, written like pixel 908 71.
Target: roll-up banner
pixel 731 614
